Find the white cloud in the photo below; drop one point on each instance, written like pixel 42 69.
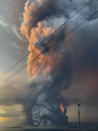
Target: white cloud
pixel 16 32
pixel 4 24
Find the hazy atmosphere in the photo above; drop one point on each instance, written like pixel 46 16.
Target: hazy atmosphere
pixel 70 68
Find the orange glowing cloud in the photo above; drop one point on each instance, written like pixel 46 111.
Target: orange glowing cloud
pixel 3 119
pixel 37 62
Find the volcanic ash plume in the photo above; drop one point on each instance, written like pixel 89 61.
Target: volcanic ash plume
pixel 40 19
pixel 36 61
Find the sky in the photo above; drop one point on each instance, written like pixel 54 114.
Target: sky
pixel 13 93
pixel 12 47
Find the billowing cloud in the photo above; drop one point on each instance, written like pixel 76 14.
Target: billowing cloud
pixel 72 57
pixel 77 53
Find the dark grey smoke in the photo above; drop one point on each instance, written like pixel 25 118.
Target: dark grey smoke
pixel 51 9
pixel 47 9
pixel 46 109
pixel 77 52
pixel 81 52
pixel 45 106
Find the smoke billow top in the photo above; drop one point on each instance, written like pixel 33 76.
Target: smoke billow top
pixel 40 19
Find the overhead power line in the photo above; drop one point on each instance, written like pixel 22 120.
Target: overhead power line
pixel 50 36
pixel 10 68
pixel 53 45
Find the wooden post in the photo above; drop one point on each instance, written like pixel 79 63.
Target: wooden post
pixel 79 120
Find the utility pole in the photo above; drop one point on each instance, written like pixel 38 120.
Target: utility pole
pixel 79 116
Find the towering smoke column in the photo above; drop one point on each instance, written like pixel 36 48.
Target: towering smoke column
pixel 40 19
pixel 34 30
